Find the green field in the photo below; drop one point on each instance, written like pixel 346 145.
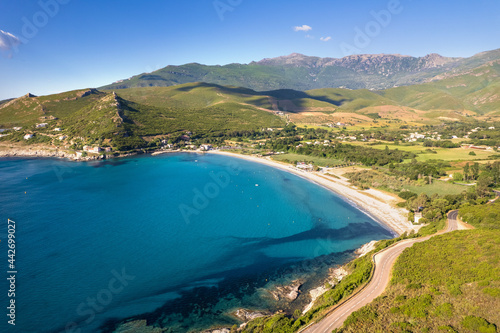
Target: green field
pixel 455 154
pixel 439 187
pixel 445 154
pixel 319 161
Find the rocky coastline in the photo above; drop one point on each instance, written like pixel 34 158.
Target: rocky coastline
pixel 57 153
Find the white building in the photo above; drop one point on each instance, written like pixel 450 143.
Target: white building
pixel 89 149
pixel 206 147
pixel 304 166
pixel 418 216
pixel 42 125
pixel 28 136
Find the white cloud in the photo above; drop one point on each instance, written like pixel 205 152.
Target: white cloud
pixel 8 41
pixel 302 28
pixel 325 39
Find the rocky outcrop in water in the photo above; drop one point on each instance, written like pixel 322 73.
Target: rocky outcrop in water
pixel 289 292
pixel 247 315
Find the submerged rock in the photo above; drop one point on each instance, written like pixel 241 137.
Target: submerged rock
pixel 290 292
pixel 247 315
pixel 138 326
pixel 219 330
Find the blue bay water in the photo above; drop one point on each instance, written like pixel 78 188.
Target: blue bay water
pixel 114 239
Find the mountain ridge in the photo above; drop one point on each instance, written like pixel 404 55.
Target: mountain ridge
pixel 301 72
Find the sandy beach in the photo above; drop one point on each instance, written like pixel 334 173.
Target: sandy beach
pixel 377 204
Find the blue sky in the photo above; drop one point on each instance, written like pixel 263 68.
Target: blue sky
pixel 50 46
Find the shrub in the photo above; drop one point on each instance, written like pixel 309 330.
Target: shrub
pixel 407 195
pixel 478 324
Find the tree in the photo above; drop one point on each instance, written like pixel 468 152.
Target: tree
pixel 420 201
pixel 482 187
pixel 466 171
pixel 475 170
pixel 458 177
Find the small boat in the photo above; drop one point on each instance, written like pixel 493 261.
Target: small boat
pixel 256 184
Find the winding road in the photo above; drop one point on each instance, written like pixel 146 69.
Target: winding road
pixel 384 261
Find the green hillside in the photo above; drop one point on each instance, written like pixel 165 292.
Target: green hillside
pixel 450 283
pixel 475 90
pixel 133 117
pixel 127 120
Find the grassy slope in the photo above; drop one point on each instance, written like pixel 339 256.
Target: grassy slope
pixel 436 284
pixel 199 108
pixel 482 217
pixel 476 90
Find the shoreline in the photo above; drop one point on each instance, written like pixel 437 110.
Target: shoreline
pixel 370 201
pixel 384 213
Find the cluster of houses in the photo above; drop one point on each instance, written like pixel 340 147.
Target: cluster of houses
pixel 477 129
pixel 414 137
pixel 325 143
pixel 189 145
pixel 337 124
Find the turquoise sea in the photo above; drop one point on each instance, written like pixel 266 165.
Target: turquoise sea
pixel 181 240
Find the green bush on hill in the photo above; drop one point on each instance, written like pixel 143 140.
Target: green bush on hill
pixel 454 272
pixel 482 216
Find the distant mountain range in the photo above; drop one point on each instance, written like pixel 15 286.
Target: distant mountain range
pixel 300 72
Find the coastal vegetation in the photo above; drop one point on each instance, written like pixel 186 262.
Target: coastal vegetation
pixel 435 287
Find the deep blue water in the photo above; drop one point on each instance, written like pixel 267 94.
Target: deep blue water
pixel 113 239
